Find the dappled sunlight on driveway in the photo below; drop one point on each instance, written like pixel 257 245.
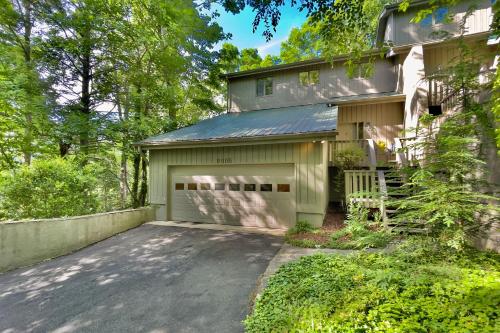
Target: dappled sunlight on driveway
pixel 151 278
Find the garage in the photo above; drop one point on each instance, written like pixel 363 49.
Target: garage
pixel 250 195
pixel 265 168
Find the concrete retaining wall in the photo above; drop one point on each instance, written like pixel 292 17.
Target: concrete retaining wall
pixel 24 243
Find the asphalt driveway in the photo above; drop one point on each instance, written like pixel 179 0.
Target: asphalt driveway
pixel 149 279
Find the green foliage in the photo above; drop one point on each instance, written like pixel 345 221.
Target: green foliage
pixel 48 188
pixel 359 232
pixel 250 59
pixel 420 287
pixel 349 157
pixel 301 226
pixel 448 191
pixel 85 79
pixel 302 44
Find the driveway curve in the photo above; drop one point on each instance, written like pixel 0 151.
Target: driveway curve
pixel 148 279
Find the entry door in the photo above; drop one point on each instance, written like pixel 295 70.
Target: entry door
pixel 258 196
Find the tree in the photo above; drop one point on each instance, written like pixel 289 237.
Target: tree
pixel 303 43
pixel 22 101
pixel 229 58
pixel 250 59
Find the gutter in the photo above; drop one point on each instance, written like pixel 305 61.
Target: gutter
pixel 264 139
pixel 293 65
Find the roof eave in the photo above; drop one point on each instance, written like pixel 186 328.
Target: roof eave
pixel 299 64
pixel 264 139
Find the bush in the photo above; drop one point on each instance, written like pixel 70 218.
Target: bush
pixel 421 287
pixel 360 233
pixel 301 226
pixel 48 188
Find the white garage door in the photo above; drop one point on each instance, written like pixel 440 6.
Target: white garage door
pixel 251 195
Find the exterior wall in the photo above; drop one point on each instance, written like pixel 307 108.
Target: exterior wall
pixel 310 162
pixel 444 54
pixel 288 92
pixel 385 121
pixel 28 242
pixel 401 31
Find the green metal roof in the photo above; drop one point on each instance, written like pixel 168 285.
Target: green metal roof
pixel 296 120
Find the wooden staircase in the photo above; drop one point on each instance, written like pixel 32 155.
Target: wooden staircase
pixel 394 191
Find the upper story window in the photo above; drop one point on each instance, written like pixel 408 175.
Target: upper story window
pixel 439 16
pixel 309 78
pixel 362 71
pixel 265 86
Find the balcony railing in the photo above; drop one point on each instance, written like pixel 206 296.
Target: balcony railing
pixel 367 146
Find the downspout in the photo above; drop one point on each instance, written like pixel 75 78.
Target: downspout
pixel 228 95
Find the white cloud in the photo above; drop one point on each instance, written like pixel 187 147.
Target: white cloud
pixel 271 47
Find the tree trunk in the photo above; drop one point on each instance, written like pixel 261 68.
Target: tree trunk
pixel 144 181
pixel 123 115
pixel 85 96
pixel 135 181
pixel 28 135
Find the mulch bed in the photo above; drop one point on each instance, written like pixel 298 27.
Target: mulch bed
pixel 334 221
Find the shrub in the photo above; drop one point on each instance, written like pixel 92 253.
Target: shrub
pixel 48 188
pixel 301 226
pixel 421 287
pixel 360 233
pixel 349 157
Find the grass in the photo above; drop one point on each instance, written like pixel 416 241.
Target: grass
pixel 419 287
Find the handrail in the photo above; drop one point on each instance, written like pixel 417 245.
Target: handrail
pixel 372 155
pixel 401 158
pixel 383 196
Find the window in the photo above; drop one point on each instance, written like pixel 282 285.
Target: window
pixel 192 186
pixel 179 186
pixel 204 186
pixel 435 110
pixel 234 187
pixel 358 132
pixel 283 187
pixel 363 71
pixel 220 186
pixel 249 187
pixel 309 78
pixel 266 187
pixel 265 86
pixel 438 16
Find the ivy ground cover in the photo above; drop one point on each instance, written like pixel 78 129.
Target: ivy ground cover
pixel 420 287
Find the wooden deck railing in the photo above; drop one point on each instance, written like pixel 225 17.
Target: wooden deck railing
pixel 367 187
pixel 362 186
pixel 365 145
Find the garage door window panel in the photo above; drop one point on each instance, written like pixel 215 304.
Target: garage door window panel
pixel 204 186
pixel 249 187
pixel 192 186
pixel 266 187
pixel 234 187
pixel 179 186
pixel 283 187
pixel 220 186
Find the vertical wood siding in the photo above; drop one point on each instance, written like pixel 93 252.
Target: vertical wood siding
pixel 311 177
pixel 404 32
pixel 386 121
pixel 287 90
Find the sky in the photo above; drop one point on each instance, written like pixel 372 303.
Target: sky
pixel 240 26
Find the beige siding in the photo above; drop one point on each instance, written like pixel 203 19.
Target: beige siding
pixel 308 159
pixel 384 121
pixel 403 32
pixel 288 92
pixel 443 55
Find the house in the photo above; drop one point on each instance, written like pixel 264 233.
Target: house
pixel 269 160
